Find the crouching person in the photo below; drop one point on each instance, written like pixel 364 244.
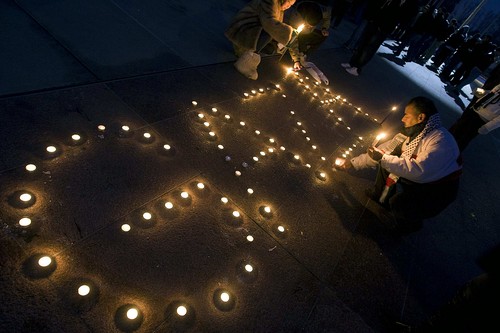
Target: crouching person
pixel 418 172
pixel 253 28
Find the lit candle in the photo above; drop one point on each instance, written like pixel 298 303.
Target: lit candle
pixel 236 214
pixel 76 137
pixel 281 228
pixel 181 310
pixel 24 222
pixel 169 205
pixel 25 197
pixel 224 297
pixel 132 313
pixel 201 186
pixel 44 261
pixel 184 195
pixel 125 227
pixel 250 238
pixel 220 146
pixel 214 110
pixel 51 149
pixel 147 135
pixel 248 268
pixel 167 147
pixel 224 200
pixel 147 216
pixel 125 128
pixel 250 191
pixel 30 167
pixel 339 161
pixel 378 138
pixel 83 290
pixel 101 128
pixel 194 103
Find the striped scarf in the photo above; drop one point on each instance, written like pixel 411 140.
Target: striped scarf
pixel 433 123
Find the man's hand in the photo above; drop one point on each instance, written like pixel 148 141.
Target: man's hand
pixel 297 66
pixel 325 32
pixel 344 165
pixel 375 153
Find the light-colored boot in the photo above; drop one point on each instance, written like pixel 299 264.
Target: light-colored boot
pixel 247 64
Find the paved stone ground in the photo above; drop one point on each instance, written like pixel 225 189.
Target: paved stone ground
pixel 321 261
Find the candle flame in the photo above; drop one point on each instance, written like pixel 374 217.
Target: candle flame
pixel 300 28
pixel 381 136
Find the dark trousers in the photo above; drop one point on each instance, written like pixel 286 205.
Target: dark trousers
pixel 411 202
pixel 464 130
pixel 369 42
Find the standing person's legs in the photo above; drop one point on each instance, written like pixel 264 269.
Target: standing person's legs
pixel 368 49
pixel 464 130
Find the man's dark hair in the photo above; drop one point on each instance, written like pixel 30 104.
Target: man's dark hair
pixel 423 105
pixel 311 12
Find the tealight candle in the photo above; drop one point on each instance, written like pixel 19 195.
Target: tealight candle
pixel 194 103
pixel 220 146
pixel 237 173
pixel 201 115
pixel 169 205
pixel 255 158
pixel 206 123
pixel 30 167
pixel 257 132
pixel 236 214
pixel 147 216
pixel 24 222
pixel 224 297
pixel 44 261
pixel 184 195
pixel 51 149
pixel 133 313
pixel 167 147
pixel 242 123
pixel 25 197
pixel 224 200
pixel 125 128
pixel 281 229
pixel 101 128
pixel 76 137
pixel 250 238
pixel 147 135
pixel 201 186
pixel 214 110
pixel 250 191
pixel 83 290
pixel 248 268
pixel 125 227
pixel 212 134
pixel 181 310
